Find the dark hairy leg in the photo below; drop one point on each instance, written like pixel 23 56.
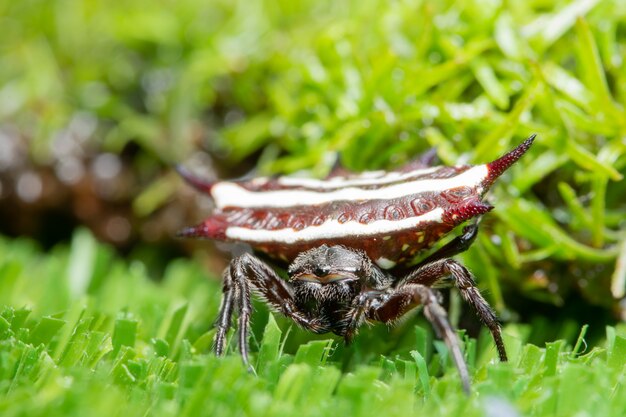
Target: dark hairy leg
pixel 457 245
pixel 244 305
pixel 391 306
pixel 244 274
pixel 358 312
pixel 430 274
pixel 222 324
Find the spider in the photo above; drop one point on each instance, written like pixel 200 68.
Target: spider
pixel 348 241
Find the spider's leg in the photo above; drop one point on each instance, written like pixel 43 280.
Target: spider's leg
pixel 236 293
pixel 248 273
pixel 358 312
pixel 457 245
pixel 408 296
pixel 429 274
pixel 378 283
pixel 245 307
pixel 224 317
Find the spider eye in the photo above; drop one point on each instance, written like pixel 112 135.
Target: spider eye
pixel 324 279
pixel 321 270
pixel 306 277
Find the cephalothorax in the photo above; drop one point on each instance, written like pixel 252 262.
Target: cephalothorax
pixel 346 238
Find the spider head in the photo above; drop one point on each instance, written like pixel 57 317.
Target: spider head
pixel 326 264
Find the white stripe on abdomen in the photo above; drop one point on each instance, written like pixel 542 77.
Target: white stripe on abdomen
pixel 229 194
pixel 332 229
pixel 364 179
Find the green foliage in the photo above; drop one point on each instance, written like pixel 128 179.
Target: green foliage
pixel 128 346
pixel 295 85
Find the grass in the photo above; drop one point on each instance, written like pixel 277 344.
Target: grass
pixel 126 345
pixel 288 86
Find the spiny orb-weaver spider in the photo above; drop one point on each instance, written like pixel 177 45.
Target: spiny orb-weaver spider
pixel 348 239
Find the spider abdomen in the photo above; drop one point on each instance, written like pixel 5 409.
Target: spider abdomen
pixel 389 215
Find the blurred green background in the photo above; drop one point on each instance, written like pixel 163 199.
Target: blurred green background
pixel 99 99
pixel 103 312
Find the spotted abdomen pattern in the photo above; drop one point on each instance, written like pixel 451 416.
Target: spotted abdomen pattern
pixel 390 215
